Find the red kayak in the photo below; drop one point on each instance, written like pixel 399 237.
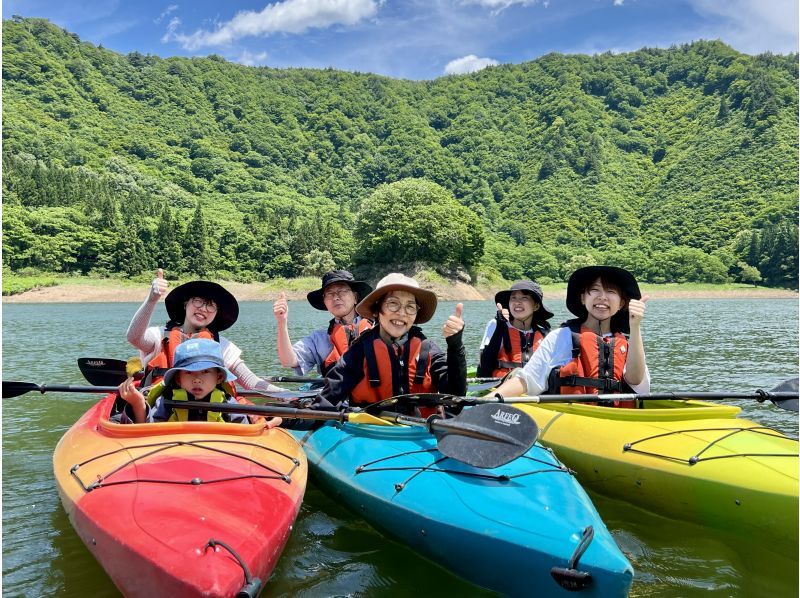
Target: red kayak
pixel 181 508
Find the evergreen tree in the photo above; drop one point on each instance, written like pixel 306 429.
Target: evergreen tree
pixel 195 244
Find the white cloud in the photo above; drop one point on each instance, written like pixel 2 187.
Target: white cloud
pixel 498 5
pixel 167 11
pixel 173 25
pixel 289 16
pixel 468 64
pixel 249 59
pixel 754 26
pixel 619 2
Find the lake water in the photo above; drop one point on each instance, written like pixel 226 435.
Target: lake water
pixel 713 345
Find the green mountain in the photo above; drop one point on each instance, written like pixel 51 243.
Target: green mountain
pixel 680 164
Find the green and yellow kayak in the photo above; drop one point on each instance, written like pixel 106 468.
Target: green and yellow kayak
pixel 687 460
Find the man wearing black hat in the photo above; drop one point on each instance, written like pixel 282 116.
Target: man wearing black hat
pixel 600 351
pixel 338 295
pixel 200 309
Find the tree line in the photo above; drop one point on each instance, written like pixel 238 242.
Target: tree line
pixel 679 164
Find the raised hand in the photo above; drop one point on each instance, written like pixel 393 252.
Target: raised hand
pixel 280 308
pixel 131 395
pixel 636 310
pixel 129 392
pixel 159 286
pixel 454 323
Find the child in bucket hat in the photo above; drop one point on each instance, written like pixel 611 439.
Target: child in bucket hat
pixel 198 374
pixel 599 351
pixel 510 341
pixel 394 357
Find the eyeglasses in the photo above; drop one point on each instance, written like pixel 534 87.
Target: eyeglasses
pixel 393 305
pixel 208 304
pixel 337 294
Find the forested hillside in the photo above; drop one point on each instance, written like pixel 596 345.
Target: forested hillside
pixel 679 164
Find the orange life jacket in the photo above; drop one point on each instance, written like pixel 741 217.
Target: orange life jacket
pixel 173 336
pixel 342 335
pixel 597 365
pixel 517 348
pixel 387 375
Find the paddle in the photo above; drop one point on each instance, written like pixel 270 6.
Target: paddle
pixel 486 436
pixel 784 395
pixel 103 372
pixel 15 389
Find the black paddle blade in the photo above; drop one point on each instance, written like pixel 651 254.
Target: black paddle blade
pixel 790 403
pixel 502 420
pixel 15 389
pixel 101 371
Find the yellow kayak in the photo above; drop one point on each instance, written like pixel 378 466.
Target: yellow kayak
pixel 687 460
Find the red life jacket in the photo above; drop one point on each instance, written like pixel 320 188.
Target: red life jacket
pixel 517 348
pixel 597 365
pixel 173 336
pixel 387 375
pixel 342 335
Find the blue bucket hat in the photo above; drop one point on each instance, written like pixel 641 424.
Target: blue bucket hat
pixel 197 354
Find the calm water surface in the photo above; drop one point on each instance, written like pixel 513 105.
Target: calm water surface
pixel 714 345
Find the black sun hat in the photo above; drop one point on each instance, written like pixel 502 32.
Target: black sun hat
pixel 532 288
pixel 227 306
pixel 583 277
pixel 316 298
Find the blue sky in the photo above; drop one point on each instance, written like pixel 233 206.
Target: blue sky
pixel 414 39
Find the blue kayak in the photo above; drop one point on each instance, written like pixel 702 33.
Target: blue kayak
pixel 524 528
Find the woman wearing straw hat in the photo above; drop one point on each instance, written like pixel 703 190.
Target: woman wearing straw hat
pixel 600 351
pixel 197 309
pixel 509 343
pixel 394 357
pixel 338 295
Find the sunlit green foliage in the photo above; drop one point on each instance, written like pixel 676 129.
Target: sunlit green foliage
pixel 679 164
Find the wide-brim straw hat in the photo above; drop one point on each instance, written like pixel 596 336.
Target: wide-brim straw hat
pixel 527 286
pixel 368 308
pixel 317 298
pixel 583 277
pixel 227 306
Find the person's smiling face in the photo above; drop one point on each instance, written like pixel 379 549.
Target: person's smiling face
pixel 602 300
pixel 397 313
pixel 200 312
pixel 521 305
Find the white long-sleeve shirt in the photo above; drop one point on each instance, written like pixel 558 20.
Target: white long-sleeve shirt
pixel 555 351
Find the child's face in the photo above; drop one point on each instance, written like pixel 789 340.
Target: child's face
pixel 200 383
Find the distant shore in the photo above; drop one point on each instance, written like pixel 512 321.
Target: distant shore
pixel 82 291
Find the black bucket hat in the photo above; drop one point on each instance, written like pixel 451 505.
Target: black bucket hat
pixel 583 277
pixel 227 306
pixel 532 288
pixel 361 288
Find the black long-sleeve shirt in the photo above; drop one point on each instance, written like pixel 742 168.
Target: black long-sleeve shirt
pixel 448 371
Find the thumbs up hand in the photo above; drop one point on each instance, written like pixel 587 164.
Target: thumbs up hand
pixel 636 310
pixel 502 313
pixel 159 286
pixel 454 323
pixel 280 309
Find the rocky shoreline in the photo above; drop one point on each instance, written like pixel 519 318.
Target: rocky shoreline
pixel 458 291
